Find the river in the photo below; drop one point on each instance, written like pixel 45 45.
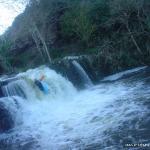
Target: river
pixel 107 116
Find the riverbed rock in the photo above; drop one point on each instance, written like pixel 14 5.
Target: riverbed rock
pixel 9 107
pixel 88 63
pixel 6 120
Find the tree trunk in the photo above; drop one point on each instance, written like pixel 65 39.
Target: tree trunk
pixel 37 45
pixel 43 43
pixel 133 39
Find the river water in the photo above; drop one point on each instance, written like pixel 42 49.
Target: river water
pixel 106 116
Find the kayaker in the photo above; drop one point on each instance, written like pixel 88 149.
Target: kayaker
pixel 42 85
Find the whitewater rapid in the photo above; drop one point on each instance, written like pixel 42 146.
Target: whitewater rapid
pixel 99 117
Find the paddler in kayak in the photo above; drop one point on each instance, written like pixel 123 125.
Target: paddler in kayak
pixel 42 85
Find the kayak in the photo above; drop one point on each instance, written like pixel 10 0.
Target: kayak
pixel 43 86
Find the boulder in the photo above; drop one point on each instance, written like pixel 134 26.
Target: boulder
pixel 8 111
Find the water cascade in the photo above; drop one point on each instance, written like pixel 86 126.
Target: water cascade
pixel 26 88
pixel 105 116
pixel 82 73
pixel 14 88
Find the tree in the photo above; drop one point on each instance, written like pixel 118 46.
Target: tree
pixel 123 12
pixel 38 38
pixel 5 58
pixel 76 23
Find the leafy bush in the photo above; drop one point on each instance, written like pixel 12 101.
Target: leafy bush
pixel 76 24
pixel 5 58
pixel 116 29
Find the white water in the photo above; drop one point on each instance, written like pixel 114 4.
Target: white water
pixel 83 74
pixel 121 74
pixel 58 86
pixel 67 119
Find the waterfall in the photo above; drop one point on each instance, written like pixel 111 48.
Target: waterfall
pixel 14 88
pixel 123 73
pixel 82 73
pixel 25 86
pixel 105 116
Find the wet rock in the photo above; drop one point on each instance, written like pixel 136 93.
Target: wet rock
pixel 66 67
pixel 6 120
pixel 9 107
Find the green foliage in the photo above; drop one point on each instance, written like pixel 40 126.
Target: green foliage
pixel 26 60
pixel 76 24
pixel 117 30
pixel 5 58
pixel 82 22
pixel 99 11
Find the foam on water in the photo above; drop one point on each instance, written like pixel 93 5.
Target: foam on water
pixel 73 119
pixel 59 87
pixel 121 74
